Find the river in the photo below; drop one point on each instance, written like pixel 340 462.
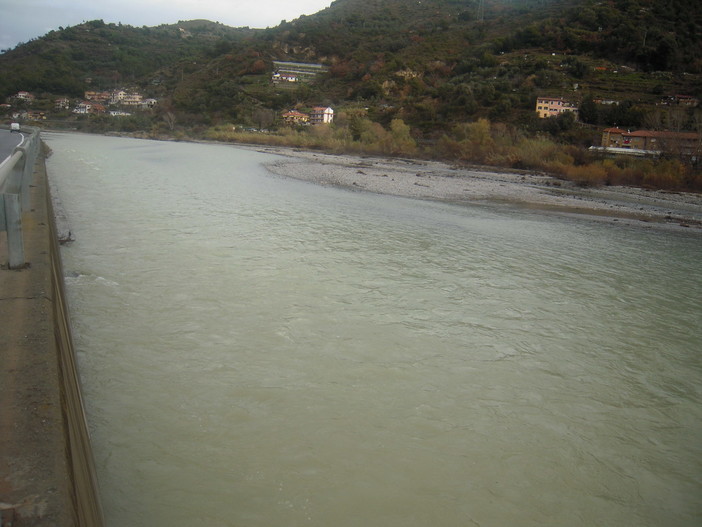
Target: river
pixel 261 351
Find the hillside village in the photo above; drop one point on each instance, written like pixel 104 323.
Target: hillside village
pixel 19 107
pixel 123 102
pixel 534 84
pixel 120 103
pixel 639 143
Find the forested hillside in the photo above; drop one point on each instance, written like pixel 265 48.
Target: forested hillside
pixel 443 61
pixel 429 66
pixel 96 55
pixel 651 35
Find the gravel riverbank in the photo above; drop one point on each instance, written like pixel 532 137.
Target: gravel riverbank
pixel 443 182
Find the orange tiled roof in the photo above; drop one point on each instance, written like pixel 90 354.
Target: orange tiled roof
pixel 661 135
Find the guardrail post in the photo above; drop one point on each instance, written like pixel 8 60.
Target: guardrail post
pixel 26 169
pixel 13 224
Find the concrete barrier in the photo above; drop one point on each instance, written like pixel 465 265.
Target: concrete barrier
pixel 47 473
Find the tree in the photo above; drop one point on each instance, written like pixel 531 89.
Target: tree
pixel 653 120
pixel 560 123
pixel 402 140
pixel 170 119
pixel 675 119
pixel 624 114
pixel 577 68
pixel 263 117
pixel 588 111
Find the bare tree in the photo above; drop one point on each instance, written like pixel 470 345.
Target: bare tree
pixel 697 123
pixel 675 119
pixel 653 120
pixel 170 119
pixel 263 117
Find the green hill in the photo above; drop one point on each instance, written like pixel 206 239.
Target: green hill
pixel 432 63
pixel 437 62
pixel 96 55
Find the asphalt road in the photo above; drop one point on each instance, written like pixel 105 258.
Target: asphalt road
pixel 8 143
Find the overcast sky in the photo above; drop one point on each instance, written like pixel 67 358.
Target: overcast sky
pixel 23 20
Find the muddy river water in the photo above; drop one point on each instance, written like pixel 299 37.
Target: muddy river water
pixel 261 351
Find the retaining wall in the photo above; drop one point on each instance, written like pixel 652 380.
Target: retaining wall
pixel 47 473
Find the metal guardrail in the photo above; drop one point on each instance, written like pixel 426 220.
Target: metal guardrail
pixel 15 177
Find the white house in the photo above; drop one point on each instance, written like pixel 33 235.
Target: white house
pixel 117 96
pixel 283 77
pixel 131 99
pixel 82 108
pixel 24 95
pixel 62 104
pixel 321 115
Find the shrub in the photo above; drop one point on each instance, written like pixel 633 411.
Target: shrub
pixel 586 175
pixel 540 154
pixel 666 174
pixel 477 142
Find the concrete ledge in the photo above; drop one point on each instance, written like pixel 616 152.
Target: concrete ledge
pixel 47 474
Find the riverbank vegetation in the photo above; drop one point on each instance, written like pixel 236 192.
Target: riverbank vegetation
pixel 482 143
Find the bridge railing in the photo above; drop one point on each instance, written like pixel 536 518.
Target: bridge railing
pixel 15 177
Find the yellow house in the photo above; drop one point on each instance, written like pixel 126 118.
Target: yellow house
pixel 551 106
pixel 295 117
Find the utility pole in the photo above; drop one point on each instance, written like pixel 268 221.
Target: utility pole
pixel 481 10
